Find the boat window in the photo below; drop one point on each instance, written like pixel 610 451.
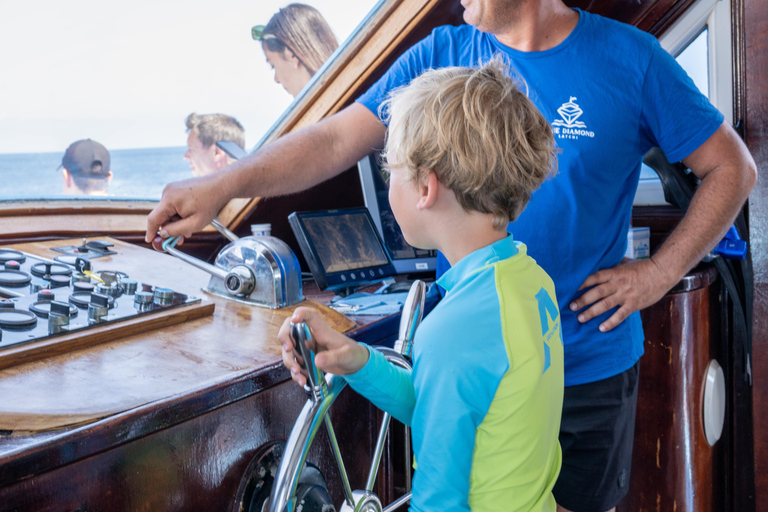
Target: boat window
pixel 700 41
pixel 128 76
pixel 694 59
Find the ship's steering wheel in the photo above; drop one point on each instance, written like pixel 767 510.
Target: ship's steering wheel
pixel 323 391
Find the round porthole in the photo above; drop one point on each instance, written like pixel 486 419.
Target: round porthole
pixel 714 402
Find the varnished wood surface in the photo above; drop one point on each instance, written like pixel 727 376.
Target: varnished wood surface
pixel 78 387
pixel 673 467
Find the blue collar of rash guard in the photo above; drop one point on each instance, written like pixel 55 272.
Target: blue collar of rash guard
pixel 476 260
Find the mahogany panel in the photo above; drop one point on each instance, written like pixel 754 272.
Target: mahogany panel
pixel 195 465
pixel 755 101
pixel 673 467
pixel 652 16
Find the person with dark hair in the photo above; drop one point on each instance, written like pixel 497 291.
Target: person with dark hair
pixel 297 41
pixel 205 130
pixel 85 167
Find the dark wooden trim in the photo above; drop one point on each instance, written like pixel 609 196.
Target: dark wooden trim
pixel 653 16
pixel 73 206
pixel 755 97
pixel 81 442
pixel 738 52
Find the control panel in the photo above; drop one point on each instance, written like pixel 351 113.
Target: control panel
pixel 41 298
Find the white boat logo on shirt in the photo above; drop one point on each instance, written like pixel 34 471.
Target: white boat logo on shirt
pixel 569 127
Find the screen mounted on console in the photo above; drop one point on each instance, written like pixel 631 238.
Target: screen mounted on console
pixel 342 247
pixel 406 258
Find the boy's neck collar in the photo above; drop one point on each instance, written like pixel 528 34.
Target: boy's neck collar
pixel 479 259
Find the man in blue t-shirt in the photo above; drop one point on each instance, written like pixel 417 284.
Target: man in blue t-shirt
pixel 610 93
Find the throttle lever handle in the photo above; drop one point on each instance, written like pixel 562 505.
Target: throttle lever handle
pixel 301 334
pixel 413 312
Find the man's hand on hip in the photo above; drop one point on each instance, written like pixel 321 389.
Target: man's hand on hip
pixel 632 285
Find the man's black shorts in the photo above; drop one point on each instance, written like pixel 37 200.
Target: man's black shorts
pixel 596 436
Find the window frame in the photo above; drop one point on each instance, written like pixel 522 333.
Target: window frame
pixel 715 17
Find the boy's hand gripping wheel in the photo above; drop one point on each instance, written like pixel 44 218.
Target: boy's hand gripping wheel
pixel 323 390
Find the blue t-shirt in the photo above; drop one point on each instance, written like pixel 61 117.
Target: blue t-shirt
pixel 610 93
pixel 485 396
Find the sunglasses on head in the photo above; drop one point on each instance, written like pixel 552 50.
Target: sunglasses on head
pixel 271 41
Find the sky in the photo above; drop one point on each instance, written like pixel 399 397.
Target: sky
pixel 128 73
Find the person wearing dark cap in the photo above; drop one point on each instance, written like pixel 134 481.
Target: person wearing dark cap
pixel 85 167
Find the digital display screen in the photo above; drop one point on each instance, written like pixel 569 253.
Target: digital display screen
pixel 405 258
pixel 345 242
pixel 342 247
pixel 393 237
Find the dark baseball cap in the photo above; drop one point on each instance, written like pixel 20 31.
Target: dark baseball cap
pixel 86 158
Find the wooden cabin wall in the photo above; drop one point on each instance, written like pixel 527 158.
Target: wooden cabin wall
pixel 754 105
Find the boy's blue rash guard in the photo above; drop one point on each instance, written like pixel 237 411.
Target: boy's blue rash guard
pixel 610 93
pixel 485 395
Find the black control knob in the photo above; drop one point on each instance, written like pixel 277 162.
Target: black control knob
pixel 58 318
pixel 82 264
pixel 7 304
pixel 45 295
pixel 100 300
pixel 59 281
pixel 81 286
pixel 98 307
pixel 12 265
pixel 82 248
pixel 61 308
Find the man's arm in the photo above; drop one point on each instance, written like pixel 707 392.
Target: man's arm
pixel 290 164
pixel 728 173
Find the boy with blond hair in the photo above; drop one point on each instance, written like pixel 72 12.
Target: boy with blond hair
pixel 465 150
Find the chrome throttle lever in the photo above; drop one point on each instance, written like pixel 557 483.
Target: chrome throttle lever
pixel 413 312
pixel 221 228
pixel 302 335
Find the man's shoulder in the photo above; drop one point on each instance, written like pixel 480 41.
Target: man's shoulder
pixel 455 33
pixel 607 28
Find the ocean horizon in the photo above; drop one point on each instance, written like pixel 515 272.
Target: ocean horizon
pixel 139 173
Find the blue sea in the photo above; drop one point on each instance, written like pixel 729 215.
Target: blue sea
pixel 137 173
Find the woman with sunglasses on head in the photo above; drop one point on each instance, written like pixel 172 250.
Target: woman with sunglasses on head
pixel 297 41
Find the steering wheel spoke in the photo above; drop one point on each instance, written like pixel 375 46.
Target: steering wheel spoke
pixel 323 391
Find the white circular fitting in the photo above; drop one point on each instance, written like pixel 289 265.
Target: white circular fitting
pixel 713 408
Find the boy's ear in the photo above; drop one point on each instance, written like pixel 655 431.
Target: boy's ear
pixel 428 191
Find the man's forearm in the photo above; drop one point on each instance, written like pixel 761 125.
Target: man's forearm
pixel 307 157
pixel 718 199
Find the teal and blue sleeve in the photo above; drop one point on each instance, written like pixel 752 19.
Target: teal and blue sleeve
pixel 387 386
